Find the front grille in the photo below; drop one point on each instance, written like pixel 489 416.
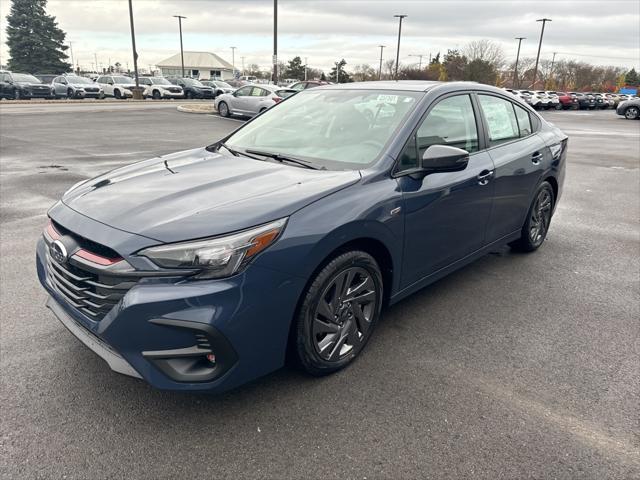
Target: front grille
pixel 93 294
pixel 90 89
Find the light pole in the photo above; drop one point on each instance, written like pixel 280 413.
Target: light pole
pixel 420 61
pixel 242 58
pixel 515 69
pixel 71 51
pixel 380 69
pixel 274 74
pixel 400 17
pixel 137 94
pixel 233 60
pixel 535 70
pixel 337 72
pixel 305 69
pixel 180 17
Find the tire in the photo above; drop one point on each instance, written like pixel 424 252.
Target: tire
pixel 559 106
pixel 223 109
pixel 331 331
pixel 117 94
pixel 16 95
pixel 101 96
pixel 632 113
pixel 188 95
pixel 156 95
pixel 536 226
pixel 70 93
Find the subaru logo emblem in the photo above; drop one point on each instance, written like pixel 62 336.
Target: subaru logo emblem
pixel 58 251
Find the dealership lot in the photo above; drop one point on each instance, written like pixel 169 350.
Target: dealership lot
pixel 516 366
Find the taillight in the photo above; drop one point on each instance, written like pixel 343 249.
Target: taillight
pixel 276 99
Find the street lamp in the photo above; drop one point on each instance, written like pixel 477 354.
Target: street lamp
pixel 180 17
pixel 137 94
pixel 233 60
pixel 515 69
pixel 274 74
pixel 400 17
pixel 535 70
pixel 380 69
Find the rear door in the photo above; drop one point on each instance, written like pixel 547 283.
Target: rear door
pixel 256 100
pixel 518 156
pixel 239 102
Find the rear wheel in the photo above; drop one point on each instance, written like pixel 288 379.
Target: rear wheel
pixel 188 95
pixel 632 113
pixel 70 93
pixel 338 313
pixel 156 95
pixel 536 227
pixel 117 94
pixel 223 109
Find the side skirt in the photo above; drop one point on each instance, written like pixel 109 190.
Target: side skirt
pixel 444 271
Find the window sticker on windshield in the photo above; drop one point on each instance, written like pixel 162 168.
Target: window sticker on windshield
pixel 388 98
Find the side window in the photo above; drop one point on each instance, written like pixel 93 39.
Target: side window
pixel 298 86
pixel 501 119
pixel 243 92
pixel 524 121
pixel 101 80
pixel 258 92
pixel 3 77
pixel 450 122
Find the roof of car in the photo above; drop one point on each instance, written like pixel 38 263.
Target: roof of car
pixel 406 85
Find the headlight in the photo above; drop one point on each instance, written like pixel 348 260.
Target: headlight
pixel 220 256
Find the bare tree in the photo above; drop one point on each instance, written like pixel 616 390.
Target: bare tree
pixel 364 72
pixel 485 50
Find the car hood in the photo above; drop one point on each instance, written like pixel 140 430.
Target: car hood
pixel 197 193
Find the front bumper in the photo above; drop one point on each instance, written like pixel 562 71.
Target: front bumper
pixel 152 332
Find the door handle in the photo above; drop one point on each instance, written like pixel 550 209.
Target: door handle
pixel 484 177
pixel 536 158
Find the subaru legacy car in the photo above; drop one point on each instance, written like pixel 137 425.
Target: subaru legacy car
pixel 284 240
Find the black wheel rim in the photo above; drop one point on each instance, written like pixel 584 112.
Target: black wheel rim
pixel 540 217
pixel 344 313
pixel 631 112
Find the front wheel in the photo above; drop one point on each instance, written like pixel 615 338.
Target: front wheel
pixel 338 313
pixel 632 113
pixel 536 227
pixel 17 95
pixel 117 94
pixel 156 95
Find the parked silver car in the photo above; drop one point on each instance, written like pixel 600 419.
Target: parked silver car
pixel 72 86
pixel 630 109
pixel 250 99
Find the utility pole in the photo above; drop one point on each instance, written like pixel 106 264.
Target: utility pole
pixel 95 57
pixel 400 17
pixel 274 74
pixel 305 69
pixel 535 70
pixel 337 72
pixel 515 70
pixel 233 60
pixel 180 17
pixel 137 94
pixel 553 61
pixel 420 62
pixel 380 69
pixel 242 58
pixel 71 51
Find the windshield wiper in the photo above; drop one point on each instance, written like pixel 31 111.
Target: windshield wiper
pixel 236 153
pixel 286 158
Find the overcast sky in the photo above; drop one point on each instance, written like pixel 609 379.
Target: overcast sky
pixel 600 32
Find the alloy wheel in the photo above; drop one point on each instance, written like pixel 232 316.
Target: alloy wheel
pixel 344 313
pixel 540 217
pixel 631 113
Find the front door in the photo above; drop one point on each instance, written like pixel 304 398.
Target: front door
pixel 446 214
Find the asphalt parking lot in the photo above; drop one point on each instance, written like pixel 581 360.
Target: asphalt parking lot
pixel 517 366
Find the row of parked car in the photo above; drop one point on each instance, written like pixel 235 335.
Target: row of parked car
pixel 569 100
pixel 25 86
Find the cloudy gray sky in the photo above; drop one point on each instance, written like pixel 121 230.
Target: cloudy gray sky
pixel 600 32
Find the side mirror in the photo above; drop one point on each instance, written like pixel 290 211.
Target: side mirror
pixel 443 158
pixel 110 83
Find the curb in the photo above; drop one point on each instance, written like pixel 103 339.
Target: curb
pixel 197 109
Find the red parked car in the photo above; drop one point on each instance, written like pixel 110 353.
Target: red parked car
pixel 567 101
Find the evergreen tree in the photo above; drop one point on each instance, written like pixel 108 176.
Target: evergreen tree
pixel 295 69
pixel 343 76
pixel 35 42
pixel 631 78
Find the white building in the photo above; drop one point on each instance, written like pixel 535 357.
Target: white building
pixel 200 65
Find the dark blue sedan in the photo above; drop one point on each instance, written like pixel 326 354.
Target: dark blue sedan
pixel 205 269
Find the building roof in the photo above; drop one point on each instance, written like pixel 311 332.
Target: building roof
pixel 197 60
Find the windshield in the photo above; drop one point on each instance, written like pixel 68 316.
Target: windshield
pixel 124 80
pixel 335 129
pixel 160 81
pixel 192 83
pixel 222 84
pixel 21 77
pixel 78 80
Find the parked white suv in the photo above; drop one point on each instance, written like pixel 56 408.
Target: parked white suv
pixel 160 87
pixel 117 86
